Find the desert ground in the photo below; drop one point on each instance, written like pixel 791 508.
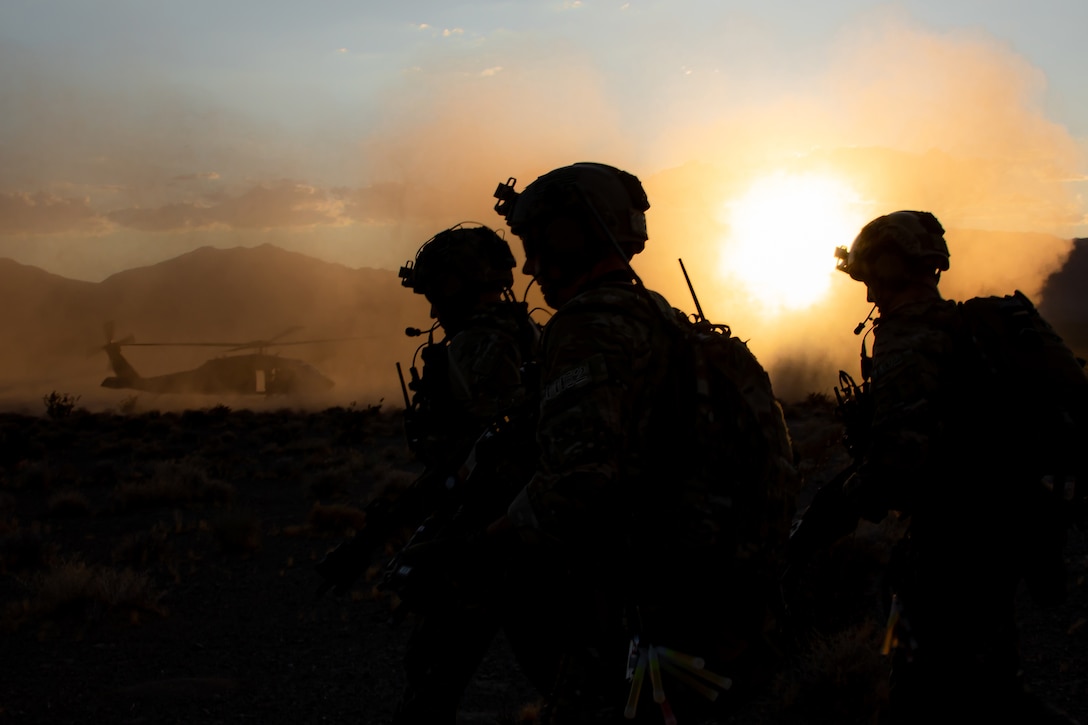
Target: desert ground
pixel 157 567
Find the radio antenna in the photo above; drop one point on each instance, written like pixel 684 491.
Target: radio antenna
pixel 694 298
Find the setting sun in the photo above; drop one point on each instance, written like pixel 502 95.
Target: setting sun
pixel 782 235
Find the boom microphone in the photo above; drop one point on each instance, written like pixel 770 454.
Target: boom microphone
pixel 863 323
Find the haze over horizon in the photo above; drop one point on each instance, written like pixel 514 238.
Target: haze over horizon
pixel 765 135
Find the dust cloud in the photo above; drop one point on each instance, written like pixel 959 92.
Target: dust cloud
pixel 907 117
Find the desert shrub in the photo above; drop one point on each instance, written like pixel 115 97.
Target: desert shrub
pixel 174 482
pixel 24 548
pixel 146 549
pixel 335 519
pixel 389 478
pixel 332 482
pixel 237 532
pixel 59 405
pixel 78 592
pixel 219 411
pixel 103 472
pixel 310 445
pixel 32 475
pixel 129 405
pixel 397 454
pixel 355 425
pixel 69 503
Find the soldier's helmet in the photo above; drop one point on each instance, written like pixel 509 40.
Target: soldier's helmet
pixel 459 264
pixel 598 193
pixel 916 236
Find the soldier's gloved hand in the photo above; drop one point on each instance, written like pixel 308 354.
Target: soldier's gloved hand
pixel 441 570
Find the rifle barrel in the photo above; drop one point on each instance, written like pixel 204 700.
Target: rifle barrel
pixel 403 388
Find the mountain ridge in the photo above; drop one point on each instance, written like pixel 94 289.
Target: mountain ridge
pixel 207 294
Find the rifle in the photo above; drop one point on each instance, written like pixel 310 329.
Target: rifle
pixel 855 410
pixel 385 516
pixel 446 501
pixel 831 515
pixel 430 565
pixel 341 567
pixel 833 512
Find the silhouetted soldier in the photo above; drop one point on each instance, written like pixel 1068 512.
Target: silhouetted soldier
pixel 464 423
pixel 952 445
pixel 634 554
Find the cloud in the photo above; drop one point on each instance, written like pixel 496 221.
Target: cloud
pixel 44 213
pixel 201 176
pixel 381 203
pixel 284 204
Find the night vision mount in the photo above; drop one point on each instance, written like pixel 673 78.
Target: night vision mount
pixel 407 275
pixel 507 198
pixel 843 255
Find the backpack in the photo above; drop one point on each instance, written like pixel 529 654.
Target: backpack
pixel 1031 380
pixel 1029 392
pixel 737 428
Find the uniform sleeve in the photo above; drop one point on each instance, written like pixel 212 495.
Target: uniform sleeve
pixel 597 369
pixel 485 372
pixel 908 389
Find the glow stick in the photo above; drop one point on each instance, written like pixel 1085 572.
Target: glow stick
pixel 655 675
pixel 708 692
pixel 696 666
pixel 636 686
pixel 666 710
pixel 687 661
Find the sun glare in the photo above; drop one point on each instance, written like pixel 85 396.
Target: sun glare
pixel 782 236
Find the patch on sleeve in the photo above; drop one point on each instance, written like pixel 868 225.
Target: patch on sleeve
pixel 891 361
pixel 579 376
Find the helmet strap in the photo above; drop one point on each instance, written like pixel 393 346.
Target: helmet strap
pixel 615 245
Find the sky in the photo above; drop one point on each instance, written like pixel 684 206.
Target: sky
pixel 765 132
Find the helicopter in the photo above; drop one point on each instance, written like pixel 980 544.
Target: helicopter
pixel 258 372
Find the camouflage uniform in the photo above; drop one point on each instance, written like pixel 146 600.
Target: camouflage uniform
pixel 486 360
pixel 467 424
pixel 602 370
pixel 467 382
pixel 939 459
pixel 610 512
pixel 481 379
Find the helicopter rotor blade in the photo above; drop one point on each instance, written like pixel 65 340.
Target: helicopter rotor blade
pixel 130 341
pixel 181 344
pixel 259 344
